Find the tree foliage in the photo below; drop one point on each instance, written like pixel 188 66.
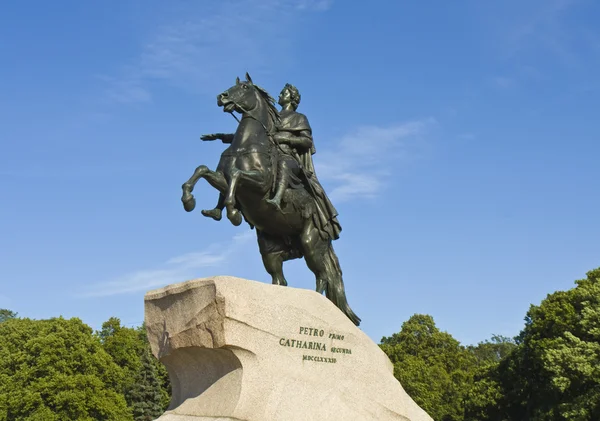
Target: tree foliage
pixel 151 365
pixel 145 384
pixel 56 370
pixel 145 393
pixel 554 374
pixel 432 366
pixel 6 314
pixel 483 397
pixel 549 372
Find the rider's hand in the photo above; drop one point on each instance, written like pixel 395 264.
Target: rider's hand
pixel 213 136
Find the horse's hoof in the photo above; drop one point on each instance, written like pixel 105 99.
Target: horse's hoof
pixel 280 283
pixel 235 217
pixel 189 202
pixel 213 213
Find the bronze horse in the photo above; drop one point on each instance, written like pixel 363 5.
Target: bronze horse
pixel 245 178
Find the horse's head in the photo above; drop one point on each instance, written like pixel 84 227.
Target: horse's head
pixel 245 97
pixel 241 97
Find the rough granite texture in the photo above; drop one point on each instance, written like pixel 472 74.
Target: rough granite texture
pixel 240 350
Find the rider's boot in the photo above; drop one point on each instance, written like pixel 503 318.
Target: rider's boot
pixel 280 189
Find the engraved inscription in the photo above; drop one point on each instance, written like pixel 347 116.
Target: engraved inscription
pixel 318 359
pixel 311 331
pixel 316 344
pixel 293 343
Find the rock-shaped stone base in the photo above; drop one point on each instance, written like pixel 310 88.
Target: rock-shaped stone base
pixel 239 350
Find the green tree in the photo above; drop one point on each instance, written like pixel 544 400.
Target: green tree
pixel 145 384
pixel 554 373
pixel 6 314
pixel 146 394
pixel 54 370
pixel 161 372
pixel 123 344
pixel 491 352
pixel 483 399
pixel 432 366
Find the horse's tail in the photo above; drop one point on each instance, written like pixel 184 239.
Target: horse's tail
pixel 334 289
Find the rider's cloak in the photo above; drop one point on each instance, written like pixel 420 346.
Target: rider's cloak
pixel 325 217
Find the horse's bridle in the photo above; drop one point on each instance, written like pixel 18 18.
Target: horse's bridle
pixel 249 114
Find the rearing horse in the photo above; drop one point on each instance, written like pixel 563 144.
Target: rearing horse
pixel 245 177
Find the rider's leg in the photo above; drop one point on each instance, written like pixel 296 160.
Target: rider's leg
pixel 281 185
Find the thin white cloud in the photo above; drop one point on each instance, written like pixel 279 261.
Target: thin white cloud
pixel 502 82
pixel 540 25
pixel 537 38
pixel 127 90
pixel 592 37
pixel 314 4
pixel 174 270
pixel 361 162
pixel 467 136
pixel 209 42
pixel 51 170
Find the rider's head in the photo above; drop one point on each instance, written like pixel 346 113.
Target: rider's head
pixel 290 95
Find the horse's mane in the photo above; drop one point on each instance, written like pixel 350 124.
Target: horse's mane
pixel 274 117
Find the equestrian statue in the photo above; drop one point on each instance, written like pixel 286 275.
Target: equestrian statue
pixel 267 178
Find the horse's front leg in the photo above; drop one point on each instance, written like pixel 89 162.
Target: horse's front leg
pixel 247 177
pixel 214 178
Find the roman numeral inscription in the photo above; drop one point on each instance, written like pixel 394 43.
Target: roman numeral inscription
pixel 320 341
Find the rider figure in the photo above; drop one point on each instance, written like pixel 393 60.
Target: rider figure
pixel 294 137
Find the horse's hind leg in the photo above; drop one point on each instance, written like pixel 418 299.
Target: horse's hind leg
pixel 274 252
pixel 217 211
pixel 214 178
pixel 314 249
pixel 322 261
pixel 274 265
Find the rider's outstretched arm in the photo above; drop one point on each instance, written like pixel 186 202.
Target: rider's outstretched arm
pixel 227 137
pixel 224 137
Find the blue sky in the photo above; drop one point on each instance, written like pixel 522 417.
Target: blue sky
pixel 458 140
